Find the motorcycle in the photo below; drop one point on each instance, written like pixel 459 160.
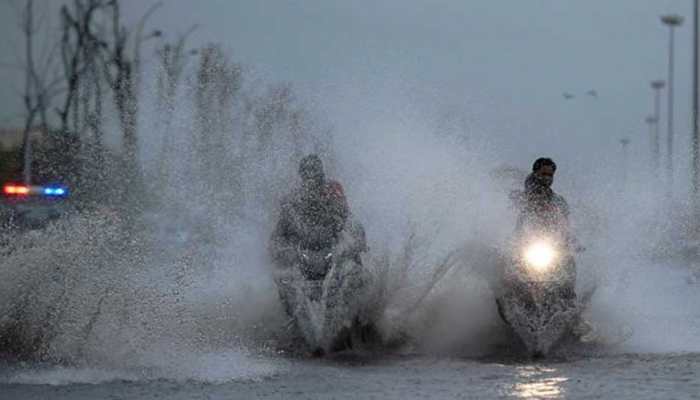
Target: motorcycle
pixel 537 298
pixel 327 294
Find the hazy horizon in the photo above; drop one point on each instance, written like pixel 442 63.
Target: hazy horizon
pixel 501 70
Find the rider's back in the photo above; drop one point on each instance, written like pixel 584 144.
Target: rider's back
pixel 312 220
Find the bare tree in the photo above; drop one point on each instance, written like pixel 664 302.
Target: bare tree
pixel 40 87
pixel 79 47
pixel 122 70
pixel 279 120
pixel 218 83
pixel 172 58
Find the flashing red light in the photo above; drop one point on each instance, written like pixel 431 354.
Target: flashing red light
pixel 16 189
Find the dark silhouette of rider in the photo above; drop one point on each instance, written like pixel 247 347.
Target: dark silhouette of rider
pixel 539 203
pixel 547 211
pixel 312 216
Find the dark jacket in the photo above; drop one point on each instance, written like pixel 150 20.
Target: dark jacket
pixel 311 220
pixel 540 205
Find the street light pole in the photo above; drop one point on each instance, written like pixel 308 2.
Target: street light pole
pixel 653 142
pixel 696 128
pixel 672 21
pixel 657 86
pixel 624 142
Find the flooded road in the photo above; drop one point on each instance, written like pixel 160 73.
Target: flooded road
pixel 626 376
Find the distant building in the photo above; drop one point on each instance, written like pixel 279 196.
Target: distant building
pixel 11 138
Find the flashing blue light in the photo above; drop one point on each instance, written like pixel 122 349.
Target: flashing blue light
pixel 55 191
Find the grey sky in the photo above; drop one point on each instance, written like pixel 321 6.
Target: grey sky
pixel 505 62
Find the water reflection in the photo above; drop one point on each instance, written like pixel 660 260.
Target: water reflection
pixel 539 383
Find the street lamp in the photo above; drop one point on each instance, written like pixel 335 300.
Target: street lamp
pixel 672 21
pixel 657 86
pixel 695 122
pixel 653 142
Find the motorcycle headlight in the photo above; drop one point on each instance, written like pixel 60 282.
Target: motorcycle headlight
pixel 540 256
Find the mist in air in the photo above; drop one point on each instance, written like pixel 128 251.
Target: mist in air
pixel 428 145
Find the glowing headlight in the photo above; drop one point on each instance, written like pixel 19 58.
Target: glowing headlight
pixel 540 256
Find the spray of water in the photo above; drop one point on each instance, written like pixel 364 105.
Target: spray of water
pixel 440 201
pixel 184 292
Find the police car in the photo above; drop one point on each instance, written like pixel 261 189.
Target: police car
pixel 32 206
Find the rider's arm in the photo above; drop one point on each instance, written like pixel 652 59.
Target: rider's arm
pixel 354 239
pixel 341 209
pixel 282 248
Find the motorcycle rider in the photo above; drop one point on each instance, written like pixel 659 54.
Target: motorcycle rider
pixel 315 234
pixel 313 218
pixel 542 207
pixel 540 202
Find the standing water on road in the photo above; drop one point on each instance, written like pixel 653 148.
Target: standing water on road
pixel 157 281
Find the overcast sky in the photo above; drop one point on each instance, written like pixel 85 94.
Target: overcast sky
pixel 505 63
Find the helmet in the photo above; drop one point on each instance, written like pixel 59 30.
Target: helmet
pixel 311 168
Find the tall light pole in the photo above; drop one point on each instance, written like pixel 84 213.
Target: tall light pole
pixel 696 123
pixel 657 86
pixel 672 21
pixel 653 143
pixel 624 142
